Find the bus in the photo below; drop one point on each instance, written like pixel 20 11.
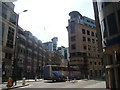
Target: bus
pixel 55 72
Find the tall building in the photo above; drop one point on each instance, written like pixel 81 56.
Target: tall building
pixel 64 52
pixel 51 45
pixel 48 46
pixel 8 19
pixel 107 15
pixel 31 55
pixel 83 48
pixel 54 40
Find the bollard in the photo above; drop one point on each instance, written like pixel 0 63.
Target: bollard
pixel 35 78
pixel 23 82
pixel 67 78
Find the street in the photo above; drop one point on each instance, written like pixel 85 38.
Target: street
pixel 76 84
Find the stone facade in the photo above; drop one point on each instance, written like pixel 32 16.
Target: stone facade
pixel 83 47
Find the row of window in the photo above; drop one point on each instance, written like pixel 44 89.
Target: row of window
pixel 73 38
pixel 28 53
pixel 89 25
pixel 89 21
pixel 10 37
pixel 89 40
pixel 95 63
pixel 89 47
pixel 77 54
pixel 94 55
pixel 88 32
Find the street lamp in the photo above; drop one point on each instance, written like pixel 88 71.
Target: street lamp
pixel 15 49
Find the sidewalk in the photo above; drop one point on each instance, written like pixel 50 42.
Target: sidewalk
pixel 97 85
pixel 19 84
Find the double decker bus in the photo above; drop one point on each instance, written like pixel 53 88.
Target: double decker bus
pixel 55 72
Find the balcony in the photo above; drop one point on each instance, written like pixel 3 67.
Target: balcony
pixel 22 36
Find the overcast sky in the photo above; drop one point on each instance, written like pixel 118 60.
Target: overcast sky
pixel 48 18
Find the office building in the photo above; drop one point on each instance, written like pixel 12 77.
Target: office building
pixel 64 52
pixel 54 40
pixel 83 48
pixel 48 46
pixel 8 19
pixel 107 15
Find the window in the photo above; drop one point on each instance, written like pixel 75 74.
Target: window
pixel 118 57
pixel 96 40
pixel 93 40
pixel 8 55
pixel 119 16
pixel 73 38
pixel 95 63
pixel 98 55
pixel 100 72
pixel 92 33
pixel 73 46
pixel 83 31
pixel 10 37
pixel 112 24
pixel 84 47
pixel 88 54
pixel 89 47
pixel 84 38
pixel 72 27
pixel 88 32
pixel 72 54
pixel 95 72
pixel 91 63
pixel 89 40
pixel 88 21
pixel 91 72
pixel 92 22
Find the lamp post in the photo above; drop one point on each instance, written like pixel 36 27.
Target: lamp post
pixel 15 49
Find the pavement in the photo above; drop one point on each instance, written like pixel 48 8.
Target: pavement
pixel 76 83
pixel 19 84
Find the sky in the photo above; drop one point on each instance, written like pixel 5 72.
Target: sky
pixel 46 19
